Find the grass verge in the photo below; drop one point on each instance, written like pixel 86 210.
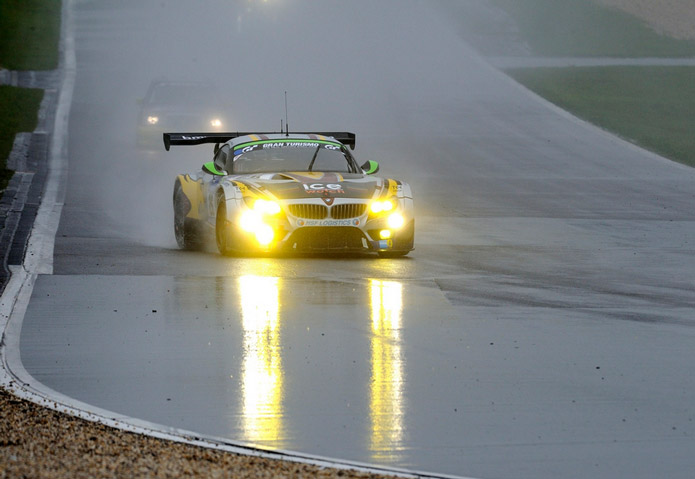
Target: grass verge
pixel 653 106
pixel 580 28
pixel 29 34
pixel 19 107
pixel 29 37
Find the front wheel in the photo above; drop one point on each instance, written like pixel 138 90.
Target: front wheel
pixel 186 230
pixel 223 233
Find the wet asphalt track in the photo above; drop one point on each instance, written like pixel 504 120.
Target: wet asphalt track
pixel 542 328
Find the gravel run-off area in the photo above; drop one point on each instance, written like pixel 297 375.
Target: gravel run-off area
pixel 37 442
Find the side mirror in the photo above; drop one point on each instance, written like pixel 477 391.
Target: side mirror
pixel 210 169
pixel 370 167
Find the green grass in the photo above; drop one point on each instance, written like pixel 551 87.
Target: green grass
pixel 653 106
pixel 584 28
pixel 19 107
pixel 29 34
pixel 29 37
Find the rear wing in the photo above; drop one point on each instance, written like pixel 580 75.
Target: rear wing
pixel 190 139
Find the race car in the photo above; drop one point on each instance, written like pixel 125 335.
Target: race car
pixel 289 193
pixel 178 105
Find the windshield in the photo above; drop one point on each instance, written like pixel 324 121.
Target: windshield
pixel 290 155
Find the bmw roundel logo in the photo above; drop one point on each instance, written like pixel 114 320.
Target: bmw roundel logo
pixel 300 222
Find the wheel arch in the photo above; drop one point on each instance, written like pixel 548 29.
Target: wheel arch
pixel 191 189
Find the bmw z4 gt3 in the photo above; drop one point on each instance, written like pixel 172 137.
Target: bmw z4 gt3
pixel 297 192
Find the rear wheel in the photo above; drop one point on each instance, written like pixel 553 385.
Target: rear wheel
pixel 186 230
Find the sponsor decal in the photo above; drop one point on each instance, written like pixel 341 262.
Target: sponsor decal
pixel 291 144
pixel 243 189
pixel 393 188
pixel 325 188
pixel 352 222
pixel 246 149
pixel 270 144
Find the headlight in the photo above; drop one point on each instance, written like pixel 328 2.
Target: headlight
pixel 253 220
pixel 395 221
pixel 265 235
pixel 216 123
pixel 382 206
pixel 152 120
pixel 266 207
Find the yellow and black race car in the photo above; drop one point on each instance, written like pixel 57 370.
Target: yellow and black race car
pixel 289 192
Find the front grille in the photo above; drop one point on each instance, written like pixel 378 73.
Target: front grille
pixel 312 238
pixel 350 210
pixel 308 211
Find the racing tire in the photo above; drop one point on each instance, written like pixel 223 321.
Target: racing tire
pixel 187 231
pixel 223 235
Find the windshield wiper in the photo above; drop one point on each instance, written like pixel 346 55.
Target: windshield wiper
pixel 313 158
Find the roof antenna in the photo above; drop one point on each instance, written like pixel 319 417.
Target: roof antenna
pixel 287 121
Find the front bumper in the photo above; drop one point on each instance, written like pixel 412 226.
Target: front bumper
pixel 332 233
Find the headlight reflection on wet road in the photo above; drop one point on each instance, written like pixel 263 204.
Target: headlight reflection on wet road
pixel 386 405
pixel 262 373
pixel 263 380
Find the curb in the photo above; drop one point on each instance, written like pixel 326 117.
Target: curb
pixel 29 159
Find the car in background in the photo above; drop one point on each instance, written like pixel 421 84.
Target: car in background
pixel 178 105
pixel 289 193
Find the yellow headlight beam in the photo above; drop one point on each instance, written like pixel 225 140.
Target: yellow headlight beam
pixel 265 235
pixel 382 206
pixel 395 221
pixel 266 207
pixel 252 221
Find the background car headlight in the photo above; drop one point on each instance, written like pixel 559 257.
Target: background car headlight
pixel 382 206
pixel 152 120
pixel 216 123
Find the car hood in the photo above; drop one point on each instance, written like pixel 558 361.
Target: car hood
pixel 286 186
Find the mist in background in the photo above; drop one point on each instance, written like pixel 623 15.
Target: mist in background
pixel 374 68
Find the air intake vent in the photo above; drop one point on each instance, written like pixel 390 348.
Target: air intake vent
pixel 345 211
pixel 308 212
